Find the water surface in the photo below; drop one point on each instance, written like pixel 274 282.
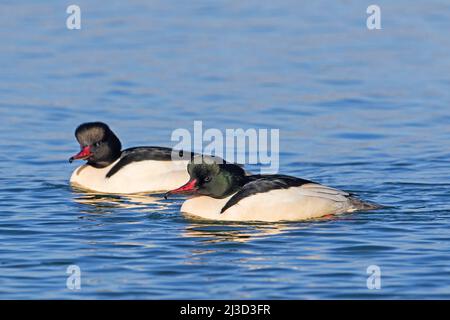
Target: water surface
pixel 365 111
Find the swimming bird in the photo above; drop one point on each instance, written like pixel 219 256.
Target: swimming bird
pixel 109 169
pixel 223 191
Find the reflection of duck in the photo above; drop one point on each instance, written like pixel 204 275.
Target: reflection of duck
pixel 111 170
pixel 225 192
pixel 108 201
pixel 233 232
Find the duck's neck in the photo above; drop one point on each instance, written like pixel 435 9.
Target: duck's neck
pixel 242 181
pixel 237 183
pixel 107 161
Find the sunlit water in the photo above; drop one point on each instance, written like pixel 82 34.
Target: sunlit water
pixel 364 111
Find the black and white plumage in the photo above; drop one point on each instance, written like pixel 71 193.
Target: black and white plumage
pixel 224 194
pixel 263 183
pixel 137 154
pixel 135 170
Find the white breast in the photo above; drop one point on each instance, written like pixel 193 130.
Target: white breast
pixel 142 176
pixel 296 203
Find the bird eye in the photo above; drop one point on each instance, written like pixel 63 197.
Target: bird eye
pixel 97 144
pixel 207 179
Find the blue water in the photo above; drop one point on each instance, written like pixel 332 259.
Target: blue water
pixel 364 111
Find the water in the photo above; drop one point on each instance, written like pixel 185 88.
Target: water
pixel 365 111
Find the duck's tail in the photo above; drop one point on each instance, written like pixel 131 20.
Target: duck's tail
pixel 359 205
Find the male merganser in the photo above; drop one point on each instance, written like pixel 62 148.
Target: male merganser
pixel 225 192
pixel 135 170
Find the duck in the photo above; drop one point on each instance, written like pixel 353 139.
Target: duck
pixel 225 191
pixel 109 169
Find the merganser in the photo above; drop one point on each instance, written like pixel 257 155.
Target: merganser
pixel 135 170
pixel 225 192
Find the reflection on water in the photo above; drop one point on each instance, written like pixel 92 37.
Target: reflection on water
pixel 212 232
pixel 222 231
pixel 102 203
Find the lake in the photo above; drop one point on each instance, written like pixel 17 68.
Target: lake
pixel 366 111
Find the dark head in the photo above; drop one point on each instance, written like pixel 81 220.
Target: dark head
pixel 212 178
pixel 99 145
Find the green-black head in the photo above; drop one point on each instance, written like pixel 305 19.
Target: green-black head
pixel 211 176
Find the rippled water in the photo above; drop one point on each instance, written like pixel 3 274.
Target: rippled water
pixel 365 111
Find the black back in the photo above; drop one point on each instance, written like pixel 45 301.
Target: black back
pixel 264 183
pixel 147 153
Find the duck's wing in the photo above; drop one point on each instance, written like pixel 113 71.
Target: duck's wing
pixel 262 183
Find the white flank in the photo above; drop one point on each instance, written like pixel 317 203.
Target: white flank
pixel 296 203
pixel 137 177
